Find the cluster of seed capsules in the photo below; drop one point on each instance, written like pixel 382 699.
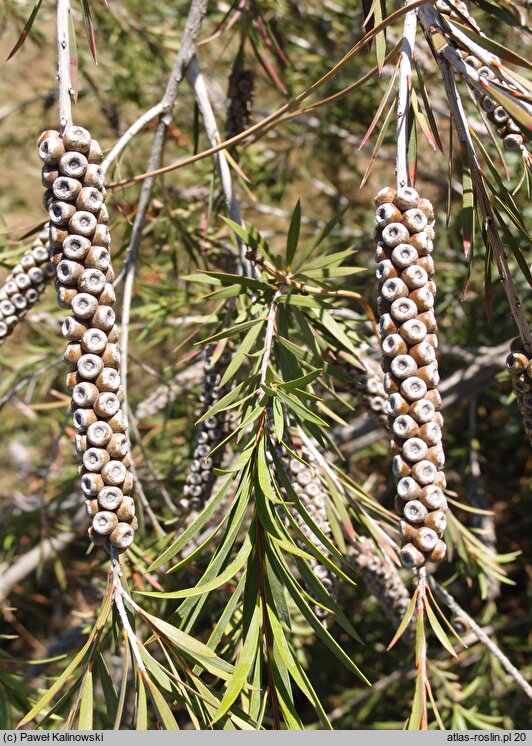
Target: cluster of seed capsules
pixel 370 390
pixel 306 484
pixel 458 10
pixel 25 284
pixel 240 95
pixel 507 128
pixel 79 250
pixel 200 476
pixel 519 366
pixel 405 268
pixel 382 580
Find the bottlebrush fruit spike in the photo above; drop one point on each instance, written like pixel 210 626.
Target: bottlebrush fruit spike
pixel 409 343
pixel 82 264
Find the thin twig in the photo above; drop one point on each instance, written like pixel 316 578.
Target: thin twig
pixel 38 556
pixel 211 128
pixel 286 108
pixel 63 65
pixel 129 134
pixel 433 21
pixel 268 342
pixel 36 375
pixel 186 51
pixel 133 424
pixel 421 647
pixel 463 383
pixel 288 279
pixel 482 196
pixel 453 606
pixel 118 597
pixel 403 97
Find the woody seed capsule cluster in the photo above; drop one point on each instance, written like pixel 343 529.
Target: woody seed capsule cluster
pixel 507 129
pixel 25 284
pixel 370 390
pixel 519 366
pixel 240 95
pixel 456 9
pixel 307 486
pixel 383 581
pixel 404 233
pixel 79 242
pixel 200 477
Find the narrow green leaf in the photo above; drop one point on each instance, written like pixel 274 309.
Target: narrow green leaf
pixel 494 47
pixel 241 352
pixel 438 629
pixel 380 138
pixel 334 328
pixel 108 687
pixel 230 571
pixel 302 256
pixel 223 403
pixel 26 30
pixel 293 234
pixel 89 27
pixel 163 712
pixel 246 660
pixel 405 620
pixel 382 105
pixel 313 621
pixel 305 414
pixel 428 107
pixel 58 684
pixel 414 722
pixel 141 722
pixel 86 707
pixel 194 527
pixel 468 214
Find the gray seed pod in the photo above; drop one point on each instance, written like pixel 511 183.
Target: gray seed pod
pixel 80 241
pixel 409 344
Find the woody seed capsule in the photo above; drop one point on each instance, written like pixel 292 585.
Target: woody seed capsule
pixel 403 366
pixel 404 255
pixel 108 380
pixel 110 498
pixel 85 394
pixel 406 199
pixel 105 522
pixel 414 220
pixel 90 366
pixel 114 473
pixel 394 234
pixel 393 289
pixel 98 257
pixel 99 434
pixel 393 345
pixel 77 138
pixel 408 489
pixel 123 536
pixel 94 459
pixel 73 164
pixel 92 281
pixel 425 539
pixel 94 341
pixel 66 188
pixel 106 404
pixel 76 247
pixel 83 223
pixel 403 309
pixel 84 305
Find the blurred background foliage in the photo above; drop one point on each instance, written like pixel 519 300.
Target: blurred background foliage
pixel 315 158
